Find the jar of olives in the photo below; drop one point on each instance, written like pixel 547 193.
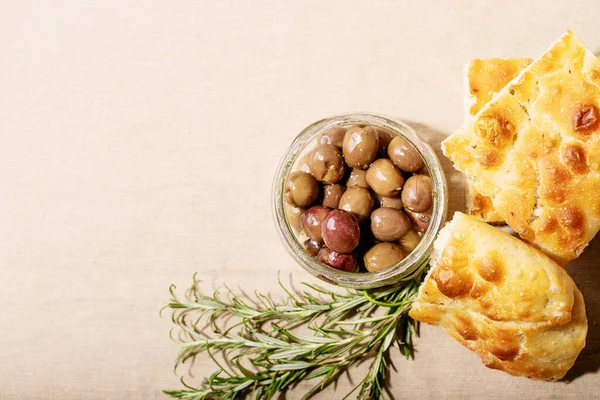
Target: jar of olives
pixel 358 200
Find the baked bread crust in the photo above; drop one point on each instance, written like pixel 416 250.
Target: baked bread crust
pixel 484 77
pixel 534 150
pixel 518 310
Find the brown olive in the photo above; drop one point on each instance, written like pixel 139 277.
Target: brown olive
pixel 327 164
pixel 383 255
pixel 361 144
pixel 388 224
pixel 332 195
pixel 343 262
pixel 293 216
pixel 391 202
pixel 311 222
pixel 384 178
pixel 312 247
pixel 417 194
pixel 357 178
pixel 385 137
pixel 423 171
pixel 357 201
pixel 301 189
pixel 404 155
pixel 334 136
pixel 409 241
pixel 420 221
pixel 340 231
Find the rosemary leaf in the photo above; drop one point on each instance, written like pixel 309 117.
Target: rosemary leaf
pixel 311 335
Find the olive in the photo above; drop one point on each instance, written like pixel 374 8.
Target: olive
pixel 361 144
pixel 340 231
pixel 357 178
pixel 420 221
pixel 391 202
pixel 384 178
pixel 301 189
pixel 293 216
pixel 404 155
pixel 388 224
pixel 334 136
pixel 417 194
pixel 311 222
pixel 343 262
pixel 312 247
pixel 357 201
pixel 409 241
pixel 304 162
pixel 332 195
pixel 423 171
pixel 385 137
pixel 327 164
pixel 383 255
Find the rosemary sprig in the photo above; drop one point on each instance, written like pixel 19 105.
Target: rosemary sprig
pixel 266 352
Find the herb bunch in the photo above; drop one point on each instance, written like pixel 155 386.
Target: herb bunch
pixel 265 345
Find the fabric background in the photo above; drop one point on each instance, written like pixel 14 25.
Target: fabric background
pixel 138 145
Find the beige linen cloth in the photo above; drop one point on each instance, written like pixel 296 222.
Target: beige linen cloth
pixel 138 144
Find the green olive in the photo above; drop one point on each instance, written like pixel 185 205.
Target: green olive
pixel 409 241
pixel 389 224
pixel 361 144
pixel 357 178
pixel 357 201
pixel 404 155
pixel 417 194
pixel 391 202
pixel 293 216
pixel 334 136
pixel 385 137
pixel 301 189
pixel 383 255
pixel 327 164
pixel 384 178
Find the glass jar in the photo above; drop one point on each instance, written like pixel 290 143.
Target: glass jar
pixel 415 261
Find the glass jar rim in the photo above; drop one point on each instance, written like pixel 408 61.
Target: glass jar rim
pixel 416 260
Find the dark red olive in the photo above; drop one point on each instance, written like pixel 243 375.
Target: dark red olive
pixel 343 262
pixel 340 231
pixel 332 195
pixel 312 247
pixel 311 221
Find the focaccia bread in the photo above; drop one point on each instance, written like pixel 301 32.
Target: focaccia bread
pixel 484 77
pixel 534 150
pixel 518 310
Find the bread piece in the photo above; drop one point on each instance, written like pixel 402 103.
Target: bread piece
pixel 506 301
pixel 534 150
pixel 484 77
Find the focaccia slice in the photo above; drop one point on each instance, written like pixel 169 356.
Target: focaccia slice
pixel 534 150
pixel 484 77
pixel 516 309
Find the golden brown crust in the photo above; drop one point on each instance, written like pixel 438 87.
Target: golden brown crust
pixel 483 79
pixel 518 310
pixel 534 150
